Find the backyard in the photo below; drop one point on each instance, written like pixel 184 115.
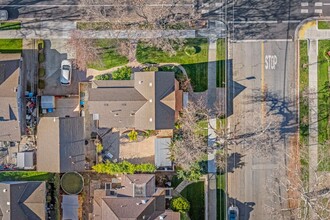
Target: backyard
pixel 109 57
pixel 323 105
pixel 195 65
pixel 11 45
pixel 25 176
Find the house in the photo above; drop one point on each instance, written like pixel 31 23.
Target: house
pixel 60 144
pixel 10 97
pixel 136 197
pixel 151 101
pixel 23 200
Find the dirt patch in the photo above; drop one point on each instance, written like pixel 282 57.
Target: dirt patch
pixel 293 173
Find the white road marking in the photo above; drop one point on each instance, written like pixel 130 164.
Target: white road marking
pixel 217 4
pixel 253 22
pixel 318 4
pixel 265 40
pixel 204 11
pixel 318 11
pixel 326 4
pixel 304 4
pixel 304 11
pixel 292 21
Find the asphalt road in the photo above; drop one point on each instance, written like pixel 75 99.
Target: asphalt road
pixel 263 122
pixel 264 19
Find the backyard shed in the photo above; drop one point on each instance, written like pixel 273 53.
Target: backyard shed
pixel 70 207
pixel 47 102
pixel 25 160
pixel 162 153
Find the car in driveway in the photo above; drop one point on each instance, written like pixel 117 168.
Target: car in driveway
pixel 3 15
pixel 66 72
pixel 233 213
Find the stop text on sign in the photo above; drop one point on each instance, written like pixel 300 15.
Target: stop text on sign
pixel 270 62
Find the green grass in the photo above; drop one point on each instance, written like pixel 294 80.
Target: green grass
pixel 323 105
pixel 303 83
pixel 194 193
pixel 25 176
pixel 11 45
pixel 108 54
pixel 221 197
pixel 323 25
pixel 221 61
pixel 175 181
pixel 10 26
pixel 72 183
pixel 196 65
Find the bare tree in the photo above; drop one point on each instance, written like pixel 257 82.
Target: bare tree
pixel 305 199
pixel 85 50
pixel 138 15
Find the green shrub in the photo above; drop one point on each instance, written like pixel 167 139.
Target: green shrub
pixel 123 73
pixel 41 44
pixel 190 50
pixel 150 69
pixel 132 135
pixel 41 72
pixel 123 167
pixel 106 76
pixel 193 174
pixel 41 57
pixel 99 147
pixel 149 133
pixel 41 84
pixel 180 204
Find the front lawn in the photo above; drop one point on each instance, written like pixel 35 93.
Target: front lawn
pixel 109 57
pixel 221 62
pixel 11 45
pixel 323 105
pixel 194 193
pixel 25 176
pixel 10 26
pixel 195 65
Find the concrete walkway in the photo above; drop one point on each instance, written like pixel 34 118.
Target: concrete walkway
pixel 62 30
pixel 313 110
pixel 211 101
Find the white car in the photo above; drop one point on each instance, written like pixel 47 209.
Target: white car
pixel 233 213
pixel 66 72
pixel 3 15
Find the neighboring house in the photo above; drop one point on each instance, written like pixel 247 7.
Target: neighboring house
pixel 10 97
pixel 23 200
pixel 151 101
pixel 136 197
pixel 60 144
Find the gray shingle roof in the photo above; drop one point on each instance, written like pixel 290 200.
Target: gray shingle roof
pixel 60 144
pixel 147 102
pixel 22 200
pixel 9 83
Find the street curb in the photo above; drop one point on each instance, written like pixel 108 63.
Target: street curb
pixel 296 35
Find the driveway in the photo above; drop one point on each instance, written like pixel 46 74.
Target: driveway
pixel 56 50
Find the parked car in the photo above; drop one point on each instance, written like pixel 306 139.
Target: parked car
pixel 3 15
pixel 66 72
pixel 233 213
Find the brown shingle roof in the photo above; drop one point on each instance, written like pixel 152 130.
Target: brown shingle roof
pixel 22 200
pixel 60 144
pixel 9 109
pixel 147 102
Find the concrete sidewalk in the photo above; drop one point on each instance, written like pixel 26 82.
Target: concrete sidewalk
pixel 58 30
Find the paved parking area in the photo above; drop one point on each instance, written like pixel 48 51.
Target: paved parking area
pixel 56 50
pixel 65 107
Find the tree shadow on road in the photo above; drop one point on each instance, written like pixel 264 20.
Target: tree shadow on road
pixel 234 162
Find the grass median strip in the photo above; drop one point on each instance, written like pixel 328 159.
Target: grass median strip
pixel 323 25
pixel 10 26
pixel 221 61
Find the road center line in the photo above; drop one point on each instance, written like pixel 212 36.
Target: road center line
pixel 262 81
